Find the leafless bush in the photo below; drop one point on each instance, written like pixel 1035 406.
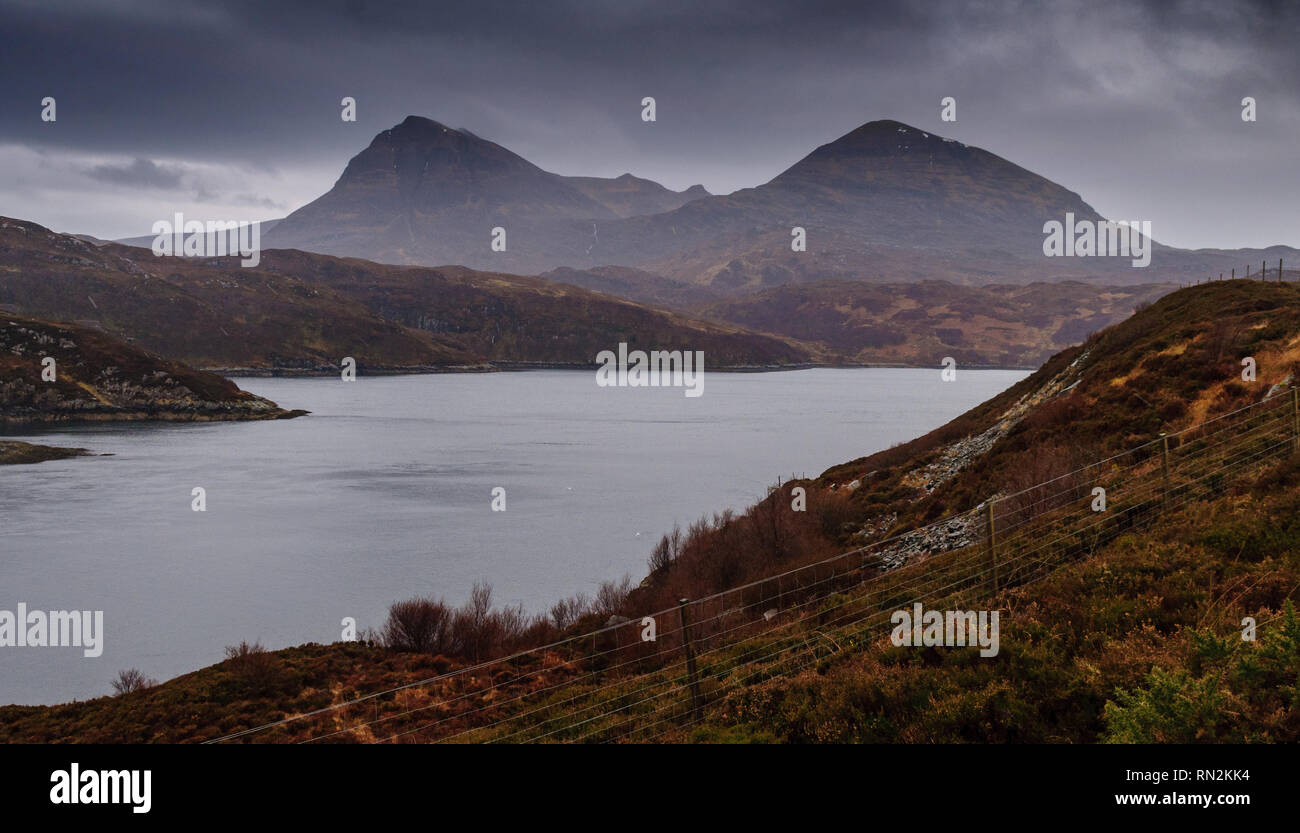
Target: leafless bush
pixel 667 550
pixel 612 595
pixel 418 625
pixel 566 612
pixel 474 629
pixel 132 679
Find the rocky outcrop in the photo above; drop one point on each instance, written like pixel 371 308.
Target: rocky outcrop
pixel 963 530
pixel 60 372
pixel 13 452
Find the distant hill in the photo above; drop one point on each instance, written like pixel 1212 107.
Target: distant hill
pixel 302 312
pixel 885 203
pixel 209 313
pixel 637 285
pixel 1004 325
pixel 145 241
pixel 97 377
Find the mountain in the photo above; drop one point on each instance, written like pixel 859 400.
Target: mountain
pixel 885 203
pixel 97 377
pixel 424 193
pixel 302 312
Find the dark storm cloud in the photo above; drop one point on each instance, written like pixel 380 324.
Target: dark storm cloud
pixel 141 172
pixel 1134 106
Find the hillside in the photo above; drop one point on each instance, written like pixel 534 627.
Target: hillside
pixel 638 285
pixel 523 320
pixel 1003 325
pixel 99 377
pixel 300 312
pixel 1125 628
pixel 209 313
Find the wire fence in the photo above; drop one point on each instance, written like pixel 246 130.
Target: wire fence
pixel 618 684
pixel 1265 273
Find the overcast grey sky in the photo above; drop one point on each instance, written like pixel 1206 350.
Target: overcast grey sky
pixel 231 109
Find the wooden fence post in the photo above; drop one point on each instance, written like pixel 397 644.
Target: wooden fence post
pixel 1295 414
pixel 690 657
pixel 1164 493
pixel 992 547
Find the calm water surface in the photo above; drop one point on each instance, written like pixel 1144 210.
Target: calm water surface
pixel 384 492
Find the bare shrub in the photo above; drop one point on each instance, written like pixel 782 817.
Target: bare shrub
pixel 666 551
pixel 419 625
pixel 566 612
pixel 611 596
pixel 131 680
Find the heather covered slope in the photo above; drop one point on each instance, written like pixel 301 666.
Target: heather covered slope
pixel 99 377
pixel 1135 639
pixel 1140 643
pixel 519 319
pixel 917 324
pixel 302 312
pixel 1175 363
pixel 207 312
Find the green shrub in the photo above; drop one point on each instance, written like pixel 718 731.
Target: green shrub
pixel 1173 708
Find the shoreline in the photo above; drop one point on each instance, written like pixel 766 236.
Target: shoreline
pixel 503 366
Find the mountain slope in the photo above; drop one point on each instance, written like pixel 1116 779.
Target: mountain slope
pixel 1175 363
pixel 300 312
pixel 423 193
pixel 206 312
pixel 917 324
